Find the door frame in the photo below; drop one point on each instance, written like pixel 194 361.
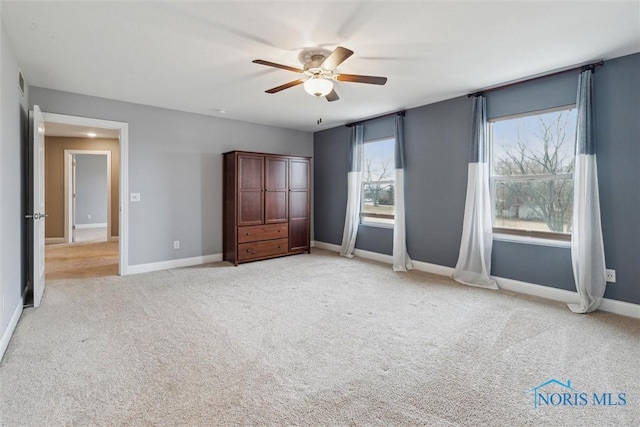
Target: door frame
pixel 123 128
pixel 69 180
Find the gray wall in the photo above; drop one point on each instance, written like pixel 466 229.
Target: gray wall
pixel 91 188
pixel 437 141
pixel 13 127
pixel 175 163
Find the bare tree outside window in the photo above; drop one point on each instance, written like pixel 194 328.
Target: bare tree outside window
pixel 533 160
pixel 378 182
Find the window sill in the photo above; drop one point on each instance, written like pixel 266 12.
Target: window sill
pixel 376 225
pixel 531 240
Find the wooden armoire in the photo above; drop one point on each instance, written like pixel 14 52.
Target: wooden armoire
pixel 266 210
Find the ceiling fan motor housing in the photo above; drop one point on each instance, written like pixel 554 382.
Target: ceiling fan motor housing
pixel 314 68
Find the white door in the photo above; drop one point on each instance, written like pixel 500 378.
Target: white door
pixel 38 214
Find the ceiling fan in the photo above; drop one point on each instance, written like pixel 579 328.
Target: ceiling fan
pixel 319 74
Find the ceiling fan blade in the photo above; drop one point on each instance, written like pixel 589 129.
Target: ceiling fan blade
pixel 337 57
pixel 285 86
pixel 332 96
pixel 355 78
pixel 273 64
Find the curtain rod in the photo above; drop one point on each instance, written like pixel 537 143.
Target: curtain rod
pixel 582 68
pixel 399 113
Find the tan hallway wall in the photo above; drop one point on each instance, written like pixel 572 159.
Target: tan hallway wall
pixel 54 179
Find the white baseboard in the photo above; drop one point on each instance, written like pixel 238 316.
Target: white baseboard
pixel 440 270
pixel 114 238
pixel 96 225
pixel 6 336
pixel 620 307
pixel 174 263
pixel 547 292
pixel 54 240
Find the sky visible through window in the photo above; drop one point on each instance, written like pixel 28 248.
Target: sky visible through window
pixel 380 153
pixel 556 127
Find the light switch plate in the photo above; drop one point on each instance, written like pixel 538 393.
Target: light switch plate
pixel 135 197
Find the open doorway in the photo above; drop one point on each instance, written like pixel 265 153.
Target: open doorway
pixel 89 194
pixel 81 235
pixel 36 184
pixel 85 184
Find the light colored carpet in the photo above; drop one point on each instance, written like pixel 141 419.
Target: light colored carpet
pixel 308 340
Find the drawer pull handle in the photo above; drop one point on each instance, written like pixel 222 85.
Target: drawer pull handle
pixel 248 251
pixel 248 234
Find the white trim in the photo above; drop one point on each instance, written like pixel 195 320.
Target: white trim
pixel 620 307
pixel 374 256
pixel 440 270
pixel 547 292
pixel 533 113
pixel 531 240
pixel 96 225
pixel 123 232
pixel 325 245
pixel 54 240
pixel 124 175
pixel 8 332
pixel 174 263
pixel 609 305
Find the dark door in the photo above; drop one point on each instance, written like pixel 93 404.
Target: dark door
pixel 250 189
pixel 275 195
pixel 299 220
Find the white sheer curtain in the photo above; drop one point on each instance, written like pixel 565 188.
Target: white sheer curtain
pixel 587 248
pixel 354 178
pixel 401 260
pixel 474 260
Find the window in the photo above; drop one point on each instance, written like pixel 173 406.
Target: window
pixel 532 173
pixel 378 182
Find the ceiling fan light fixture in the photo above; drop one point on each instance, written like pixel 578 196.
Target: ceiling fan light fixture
pixel 318 86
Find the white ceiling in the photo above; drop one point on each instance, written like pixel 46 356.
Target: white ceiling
pixel 196 56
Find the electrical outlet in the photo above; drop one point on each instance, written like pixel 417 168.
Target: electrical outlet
pixel 611 276
pixel 176 244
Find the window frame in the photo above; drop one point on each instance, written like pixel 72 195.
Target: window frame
pixel 365 215
pixel 518 234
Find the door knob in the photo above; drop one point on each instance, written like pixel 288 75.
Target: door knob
pixel 37 216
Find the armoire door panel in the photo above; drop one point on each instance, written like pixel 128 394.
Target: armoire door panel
pixel 275 206
pixel 299 234
pixel 299 174
pixel 276 174
pixel 250 172
pixel 298 204
pixel 250 207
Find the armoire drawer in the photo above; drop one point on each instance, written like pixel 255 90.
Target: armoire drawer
pixel 265 248
pixel 255 233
